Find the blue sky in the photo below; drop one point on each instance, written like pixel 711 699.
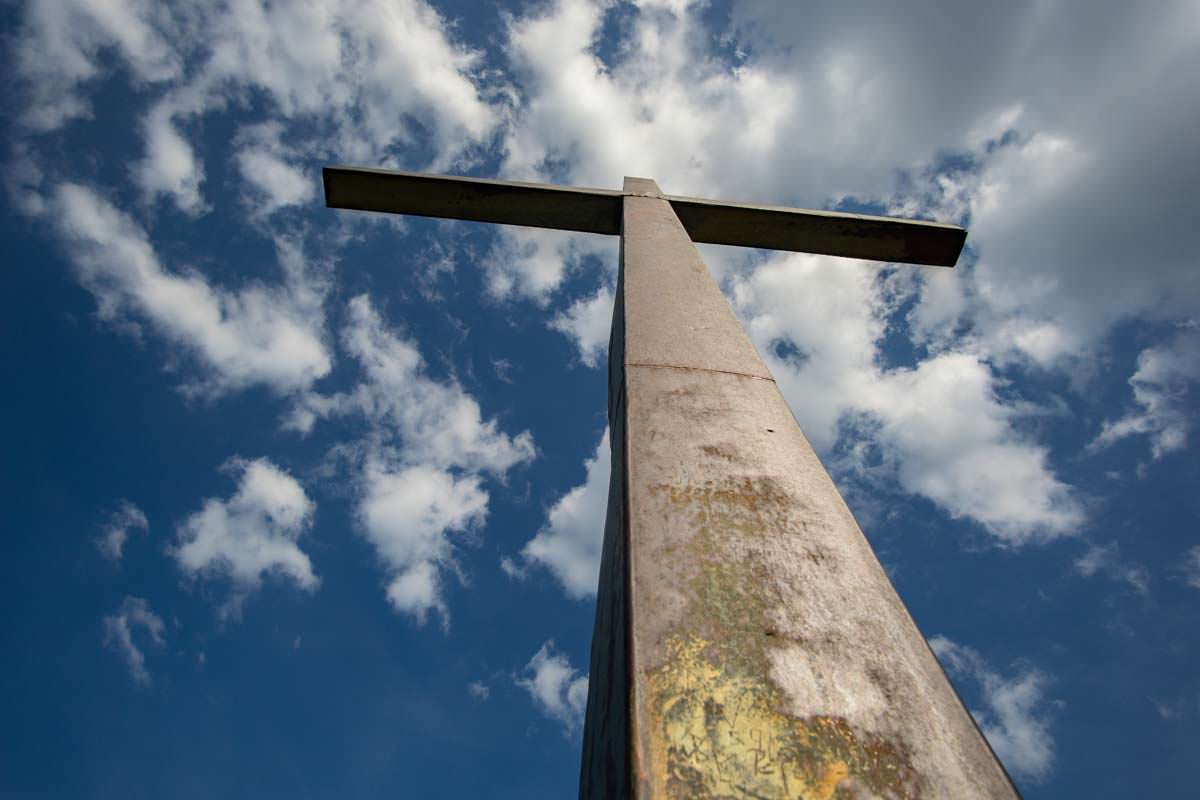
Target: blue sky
pixel 308 503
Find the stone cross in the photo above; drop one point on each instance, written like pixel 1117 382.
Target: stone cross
pixel 747 641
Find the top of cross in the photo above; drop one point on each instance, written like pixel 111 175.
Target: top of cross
pixel 571 208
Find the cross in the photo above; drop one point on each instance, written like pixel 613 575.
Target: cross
pixel 747 641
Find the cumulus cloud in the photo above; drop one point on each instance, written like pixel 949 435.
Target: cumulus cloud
pixel 1060 197
pixel 422 458
pixel 946 433
pixel 1063 158
pixel 569 544
pixel 253 534
pixel 478 690
pixel 368 70
pixel 664 108
pixel 557 689
pixel 1015 719
pixel 119 629
pixel 588 322
pixel 115 531
pixel 663 101
pixel 61 46
pixel 273 170
pixel 408 514
pixel 956 444
pixel 531 263
pixel 435 422
pixel 170 166
pixel 256 336
pixel 367 64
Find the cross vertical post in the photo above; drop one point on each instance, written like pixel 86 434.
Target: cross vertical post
pixel 746 635
pixel 747 641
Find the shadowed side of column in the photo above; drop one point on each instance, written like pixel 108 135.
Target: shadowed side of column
pixel 605 770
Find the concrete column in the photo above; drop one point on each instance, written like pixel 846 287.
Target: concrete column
pixel 747 641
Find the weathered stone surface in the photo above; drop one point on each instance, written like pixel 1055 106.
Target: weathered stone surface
pixel 748 643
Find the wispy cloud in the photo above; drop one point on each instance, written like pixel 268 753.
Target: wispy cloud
pixel 134 615
pixel 1106 560
pixel 115 531
pixel 421 460
pixel 256 336
pixel 253 534
pixel 1016 714
pixel 1162 386
pixel 588 322
pixel 570 542
pixel 1189 567
pixel 557 689
pixel 945 430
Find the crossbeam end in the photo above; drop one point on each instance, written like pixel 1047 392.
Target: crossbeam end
pixel 832 233
pixel 476 199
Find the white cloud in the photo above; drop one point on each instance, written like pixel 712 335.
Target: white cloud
pixel 60 48
pixel 1061 188
pixel 280 183
pixel 119 628
pixel 407 515
pixel 478 690
pixel 1161 388
pixel 366 64
pixel 532 262
pixel 557 689
pixel 259 335
pixel 666 109
pixel 588 323
pixel 956 444
pixel 253 534
pixel 569 544
pixel 1015 719
pixel 364 79
pixel 1106 560
pixel 421 459
pixel 116 530
pixel 170 166
pixel 274 171
pixel 433 422
pixel 946 433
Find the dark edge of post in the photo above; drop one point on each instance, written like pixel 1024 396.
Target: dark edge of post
pixel 475 199
pixel 831 233
pixel 606 766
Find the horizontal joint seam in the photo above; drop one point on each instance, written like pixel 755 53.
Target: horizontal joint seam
pixel 700 369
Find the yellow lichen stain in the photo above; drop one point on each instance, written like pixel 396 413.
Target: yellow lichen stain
pixel 832 778
pixel 719 734
pixel 716 727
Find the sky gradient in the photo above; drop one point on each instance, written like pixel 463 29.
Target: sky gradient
pixel 308 503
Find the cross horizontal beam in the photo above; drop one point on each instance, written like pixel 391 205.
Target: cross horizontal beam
pixel 541 205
